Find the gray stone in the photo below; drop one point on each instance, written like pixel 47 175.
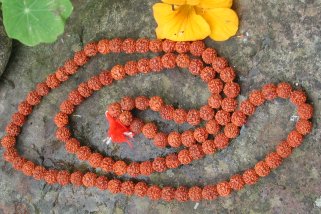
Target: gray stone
pixel 277 41
pixel 5 47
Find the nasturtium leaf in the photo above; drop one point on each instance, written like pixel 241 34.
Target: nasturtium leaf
pixel 35 21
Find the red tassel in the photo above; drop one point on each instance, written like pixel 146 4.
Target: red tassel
pixel 117 131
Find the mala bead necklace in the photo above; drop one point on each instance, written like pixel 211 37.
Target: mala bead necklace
pixel 223 116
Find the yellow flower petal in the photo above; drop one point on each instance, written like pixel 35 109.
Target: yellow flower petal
pixel 182 2
pixel 215 3
pixel 223 22
pixel 181 24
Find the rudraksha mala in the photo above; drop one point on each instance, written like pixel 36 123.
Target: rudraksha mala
pixel 223 117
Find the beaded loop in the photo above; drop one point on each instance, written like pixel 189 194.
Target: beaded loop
pixel 222 117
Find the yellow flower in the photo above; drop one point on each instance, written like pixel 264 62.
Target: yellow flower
pixel 190 20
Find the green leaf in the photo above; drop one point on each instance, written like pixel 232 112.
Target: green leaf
pixel 35 21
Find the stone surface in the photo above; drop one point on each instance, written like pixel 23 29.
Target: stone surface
pixel 277 41
pixel 5 47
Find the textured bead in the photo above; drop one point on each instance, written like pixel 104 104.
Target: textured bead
pixel 159 164
pixel 94 83
pixel 229 104
pixel 142 103
pixel 28 168
pixel 222 117
pixel 231 89
pixel 107 164
pixel 181 194
pixel 195 193
pixel 140 189
pixel 182 47
pixel 284 149
pixel 215 101
pixel 172 161
pixel 209 192
pixel 215 86
pixel 133 169
pixel 174 139
pixel 76 178
pixel 273 160
pixel 127 103
pixel 224 188
pixel 146 168
pixel 283 90
pixel 219 63
pixel 80 58
pixel 33 98
pixel 84 90
pixel 209 55
pixel 127 187
pixel 197 48
pixel 13 130
pixel 182 60
pixel 131 68
pixel 114 186
pixel 126 118
pixel 236 182
pixel 129 46
pixel 103 46
pixel 231 130
pixel 114 109
pixel 142 45
pixel 149 130
pixel 160 140
pixel 304 127
pixel 250 177
pixel 247 107
pixel 180 116
pixel 208 147
pixel 168 46
pixel 70 67
pixel 227 74
pixel 118 72
pixel 294 139
pixel 169 60
pixel 8 141
pixel 51 176
pixel 61 119
pixel 193 117
pixel 42 89
pixel 207 74
pixel 155 45
pixel 136 126
pixel 120 167
pixel 262 168
pixel 195 66
pixel 63 177
pixel 168 193
pixel 75 98
pixel 156 103
pixel 154 192
pixel 67 107
pixel 184 157
pixel 61 74
pixel 156 64
pixel 221 141
pixel 238 118
pixel 206 113
pixel 101 183
pixel 115 45
pixel 200 134
pixel 298 97
pixel 90 49
pixel 72 145
pixel 256 98
pixel 105 78
pixel 63 134
pixel 95 160
pixel 269 91
pixel 83 153
pixel 167 112
pixel 305 111
pixel 143 66
pixel 196 151
pixel 187 138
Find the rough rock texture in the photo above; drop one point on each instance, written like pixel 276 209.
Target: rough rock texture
pixel 277 41
pixel 5 47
